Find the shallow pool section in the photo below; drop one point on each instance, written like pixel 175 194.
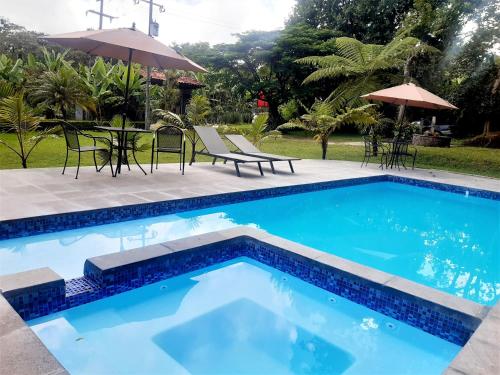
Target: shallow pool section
pixel 237 317
pixel 447 241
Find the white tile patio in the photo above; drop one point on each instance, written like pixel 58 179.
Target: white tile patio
pixel 34 192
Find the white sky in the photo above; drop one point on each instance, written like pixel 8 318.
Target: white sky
pixel 210 21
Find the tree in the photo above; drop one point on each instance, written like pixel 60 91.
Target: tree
pixel 258 130
pixel 98 80
pixel 264 61
pixel 325 116
pixel 198 110
pixel 61 90
pixel 361 67
pixel 20 119
pixel 370 21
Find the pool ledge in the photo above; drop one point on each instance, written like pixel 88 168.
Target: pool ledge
pixel 455 319
pixel 21 351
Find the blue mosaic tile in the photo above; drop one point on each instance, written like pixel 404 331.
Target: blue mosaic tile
pixel 71 220
pixel 442 322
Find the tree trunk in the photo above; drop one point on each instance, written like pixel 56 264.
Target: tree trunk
pixel 486 128
pixel 24 163
pixel 324 147
pixel 274 119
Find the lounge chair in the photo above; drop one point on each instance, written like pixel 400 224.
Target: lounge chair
pixel 247 148
pixel 215 147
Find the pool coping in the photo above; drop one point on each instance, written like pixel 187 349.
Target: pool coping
pixel 34 225
pixel 483 340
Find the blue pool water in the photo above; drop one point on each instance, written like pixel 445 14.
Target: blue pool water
pixel 447 241
pixel 237 317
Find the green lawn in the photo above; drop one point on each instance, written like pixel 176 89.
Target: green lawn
pixel 473 160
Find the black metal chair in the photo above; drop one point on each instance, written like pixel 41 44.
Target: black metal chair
pixel 374 149
pixel 403 152
pixel 169 139
pixel 72 134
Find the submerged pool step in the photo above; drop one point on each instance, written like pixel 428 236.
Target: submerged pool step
pixel 451 318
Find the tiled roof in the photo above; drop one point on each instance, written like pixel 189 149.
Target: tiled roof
pixel 189 81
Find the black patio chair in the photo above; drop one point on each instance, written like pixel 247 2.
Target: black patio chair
pixel 169 139
pixel 72 136
pixel 403 153
pixel 374 149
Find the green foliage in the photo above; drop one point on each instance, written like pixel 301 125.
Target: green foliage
pixel 61 90
pixel 325 116
pixel 257 132
pixel 19 118
pixel 370 21
pixel 198 110
pixel 98 80
pixel 289 110
pixel 11 70
pixel 363 67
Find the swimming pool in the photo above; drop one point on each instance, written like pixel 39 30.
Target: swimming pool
pixel 447 241
pixel 237 317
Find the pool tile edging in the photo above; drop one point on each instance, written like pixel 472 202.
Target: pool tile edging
pixel 234 242
pixel 446 316
pixel 71 220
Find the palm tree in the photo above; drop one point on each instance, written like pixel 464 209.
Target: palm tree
pixel 325 116
pixel 20 119
pixel 257 131
pixel 62 90
pixel 363 67
pixel 198 110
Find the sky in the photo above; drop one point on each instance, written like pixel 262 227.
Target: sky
pixel 212 21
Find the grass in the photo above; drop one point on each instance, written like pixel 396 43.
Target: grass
pixel 473 160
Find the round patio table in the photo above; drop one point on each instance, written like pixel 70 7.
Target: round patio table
pixel 121 135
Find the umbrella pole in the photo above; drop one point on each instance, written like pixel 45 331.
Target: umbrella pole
pixel 122 141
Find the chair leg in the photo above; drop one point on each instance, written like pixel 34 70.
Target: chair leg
pixel 237 169
pixel 66 161
pixel 157 157
pixel 78 167
pixel 183 159
pixel 272 167
pixel 136 162
pixel 213 161
pixel 95 163
pixel 291 166
pixel 111 163
pixel 260 169
pixel 152 155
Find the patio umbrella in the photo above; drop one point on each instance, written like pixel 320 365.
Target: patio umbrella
pixel 127 44
pixel 410 95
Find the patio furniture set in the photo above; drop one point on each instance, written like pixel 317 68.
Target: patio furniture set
pixel 167 139
pixel 393 153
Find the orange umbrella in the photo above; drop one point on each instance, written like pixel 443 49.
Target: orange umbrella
pixel 410 95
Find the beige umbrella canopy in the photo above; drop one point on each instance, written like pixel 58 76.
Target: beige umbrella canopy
pixel 410 95
pixel 127 45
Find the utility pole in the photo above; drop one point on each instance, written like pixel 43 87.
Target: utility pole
pixel 101 14
pixel 151 32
